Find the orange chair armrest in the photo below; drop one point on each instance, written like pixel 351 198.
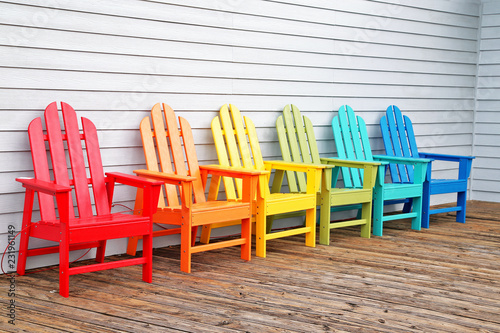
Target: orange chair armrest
pixel 132 180
pixel 169 178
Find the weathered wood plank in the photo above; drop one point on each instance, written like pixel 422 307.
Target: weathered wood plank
pixel 441 279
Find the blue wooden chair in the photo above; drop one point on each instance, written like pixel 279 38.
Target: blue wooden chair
pixel 399 140
pixel 351 141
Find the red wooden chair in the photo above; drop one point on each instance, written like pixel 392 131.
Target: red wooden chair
pixel 171 157
pixel 84 230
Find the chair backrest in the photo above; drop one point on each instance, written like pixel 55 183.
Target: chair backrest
pixel 298 144
pixel 237 145
pixel 71 137
pixel 175 148
pixel 351 141
pixel 399 140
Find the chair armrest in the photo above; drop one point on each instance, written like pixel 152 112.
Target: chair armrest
pixel 402 160
pixel 234 172
pixel 348 163
pixel 169 178
pixel 151 188
pixel 292 166
pixel 445 157
pixel 313 178
pixel 132 180
pixel 43 186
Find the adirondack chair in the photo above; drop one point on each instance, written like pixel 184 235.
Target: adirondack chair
pixel 298 144
pixel 351 141
pixel 237 145
pixel 190 179
pixel 85 230
pixel 399 140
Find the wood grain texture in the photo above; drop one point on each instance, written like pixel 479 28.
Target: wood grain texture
pixel 442 279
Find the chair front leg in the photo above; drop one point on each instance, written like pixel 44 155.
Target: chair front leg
pixel 378 202
pixel 101 251
pixel 25 231
pixel 186 226
pixel 461 203
pixel 63 205
pixel 147 253
pixel 426 204
pixel 260 228
pixel 378 210
pixel 64 267
pixel 186 242
pixel 325 207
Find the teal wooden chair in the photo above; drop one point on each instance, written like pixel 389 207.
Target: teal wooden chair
pixel 399 140
pixel 298 144
pixel 351 141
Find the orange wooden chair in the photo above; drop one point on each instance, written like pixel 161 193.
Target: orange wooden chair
pixel 86 230
pixel 187 180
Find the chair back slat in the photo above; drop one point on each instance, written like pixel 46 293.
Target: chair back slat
pixel 301 135
pixel 297 140
pixel 192 159
pixel 41 167
pixel 258 161
pixel 351 141
pixel 56 146
pixel 148 145
pixel 232 152
pixel 399 140
pixel 241 136
pixel 76 157
pixel 298 144
pixel 162 146
pixel 176 151
pixel 288 146
pixel 220 147
pixel 311 140
pixel 233 134
pixel 95 167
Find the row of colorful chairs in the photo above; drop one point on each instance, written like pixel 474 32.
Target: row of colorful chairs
pixel 171 190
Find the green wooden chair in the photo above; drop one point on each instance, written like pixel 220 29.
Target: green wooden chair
pixel 351 141
pixel 298 144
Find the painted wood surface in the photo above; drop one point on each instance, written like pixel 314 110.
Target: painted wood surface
pixel 444 281
pixel 115 59
pixel 399 140
pixel 298 144
pixel 171 158
pixel 83 228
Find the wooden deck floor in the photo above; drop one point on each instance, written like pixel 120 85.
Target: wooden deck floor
pixel 444 279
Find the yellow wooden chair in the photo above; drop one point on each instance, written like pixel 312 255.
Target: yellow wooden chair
pixel 237 145
pixel 186 180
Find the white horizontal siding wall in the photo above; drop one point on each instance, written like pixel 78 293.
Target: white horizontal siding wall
pixel 113 60
pixel 486 174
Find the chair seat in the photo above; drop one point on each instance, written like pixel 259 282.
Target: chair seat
pixel 402 191
pixel 210 212
pixel 439 186
pixel 108 219
pixel 278 203
pixel 96 228
pixel 349 196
